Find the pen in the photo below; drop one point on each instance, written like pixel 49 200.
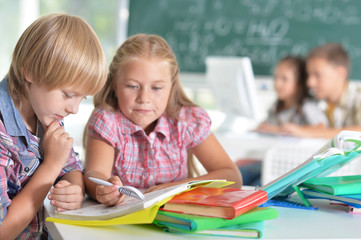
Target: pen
pixel 127 190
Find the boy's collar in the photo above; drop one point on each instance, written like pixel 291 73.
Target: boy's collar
pixel 12 119
pixel 344 95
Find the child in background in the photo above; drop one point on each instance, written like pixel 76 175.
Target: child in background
pixel 294 104
pixel 328 68
pixel 57 61
pixel 143 124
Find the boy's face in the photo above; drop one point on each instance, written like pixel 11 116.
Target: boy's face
pixel 325 79
pixel 143 88
pixel 51 105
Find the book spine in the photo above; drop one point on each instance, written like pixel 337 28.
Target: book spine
pixel 250 202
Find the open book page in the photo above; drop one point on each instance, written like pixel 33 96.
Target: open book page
pixel 130 205
pixel 340 150
pixel 345 141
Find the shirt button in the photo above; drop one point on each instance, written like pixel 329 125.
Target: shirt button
pixel 27 169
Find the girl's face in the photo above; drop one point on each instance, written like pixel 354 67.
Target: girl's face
pixel 51 105
pixel 285 82
pixel 143 88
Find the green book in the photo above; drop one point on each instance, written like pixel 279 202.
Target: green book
pixel 247 230
pixel 192 223
pixel 338 185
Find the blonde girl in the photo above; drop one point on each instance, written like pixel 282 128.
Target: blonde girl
pixel 143 125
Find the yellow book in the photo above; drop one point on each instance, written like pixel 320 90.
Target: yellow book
pixel 143 216
pixel 132 210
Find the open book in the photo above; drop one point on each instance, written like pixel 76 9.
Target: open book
pixel 340 150
pixel 149 205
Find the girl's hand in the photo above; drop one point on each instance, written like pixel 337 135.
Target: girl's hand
pixel 57 144
pixel 66 196
pixel 293 129
pixel 110 196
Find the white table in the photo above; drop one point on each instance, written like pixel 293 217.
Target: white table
pixel 329 222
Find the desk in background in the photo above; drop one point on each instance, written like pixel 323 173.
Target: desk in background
pixel 255 145
pixel 329 222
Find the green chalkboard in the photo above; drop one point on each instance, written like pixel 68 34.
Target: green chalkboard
pixel 264 30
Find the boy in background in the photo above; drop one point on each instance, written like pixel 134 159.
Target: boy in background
pixel 328 68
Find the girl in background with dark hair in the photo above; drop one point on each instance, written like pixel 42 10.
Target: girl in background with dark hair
pixel 294 107
pixel 294 103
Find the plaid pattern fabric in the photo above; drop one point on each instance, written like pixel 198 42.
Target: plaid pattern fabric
pixel 348 112
pixel 143 161
pixel 20 156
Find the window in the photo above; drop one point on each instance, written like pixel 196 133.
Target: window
pixel 103 16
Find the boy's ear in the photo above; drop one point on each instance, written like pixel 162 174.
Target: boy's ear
pixel 342 71
pixel 27 77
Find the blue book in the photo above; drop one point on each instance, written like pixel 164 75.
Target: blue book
pixel 353 200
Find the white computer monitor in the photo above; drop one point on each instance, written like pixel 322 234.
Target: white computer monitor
pixel 233 86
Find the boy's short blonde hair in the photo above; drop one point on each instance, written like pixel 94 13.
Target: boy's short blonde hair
pixel 333 53
pixel 148 47
pixel 55 51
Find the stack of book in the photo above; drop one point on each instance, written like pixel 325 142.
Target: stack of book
pixel 225 206
pixel 216 211
pixel 344 189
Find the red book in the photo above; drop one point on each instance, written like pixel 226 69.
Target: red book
pixel 216 202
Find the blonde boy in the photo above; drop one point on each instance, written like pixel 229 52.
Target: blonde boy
pixel 57 61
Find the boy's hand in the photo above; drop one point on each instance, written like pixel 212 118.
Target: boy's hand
pixel 66 196
pixel 110 196
pixel 57 144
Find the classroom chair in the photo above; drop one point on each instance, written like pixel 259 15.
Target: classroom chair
pixel 280 159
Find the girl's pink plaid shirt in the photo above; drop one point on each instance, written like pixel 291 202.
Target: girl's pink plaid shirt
pixel 143 161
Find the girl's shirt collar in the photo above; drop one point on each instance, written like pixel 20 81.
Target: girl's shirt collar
pixel 128 127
